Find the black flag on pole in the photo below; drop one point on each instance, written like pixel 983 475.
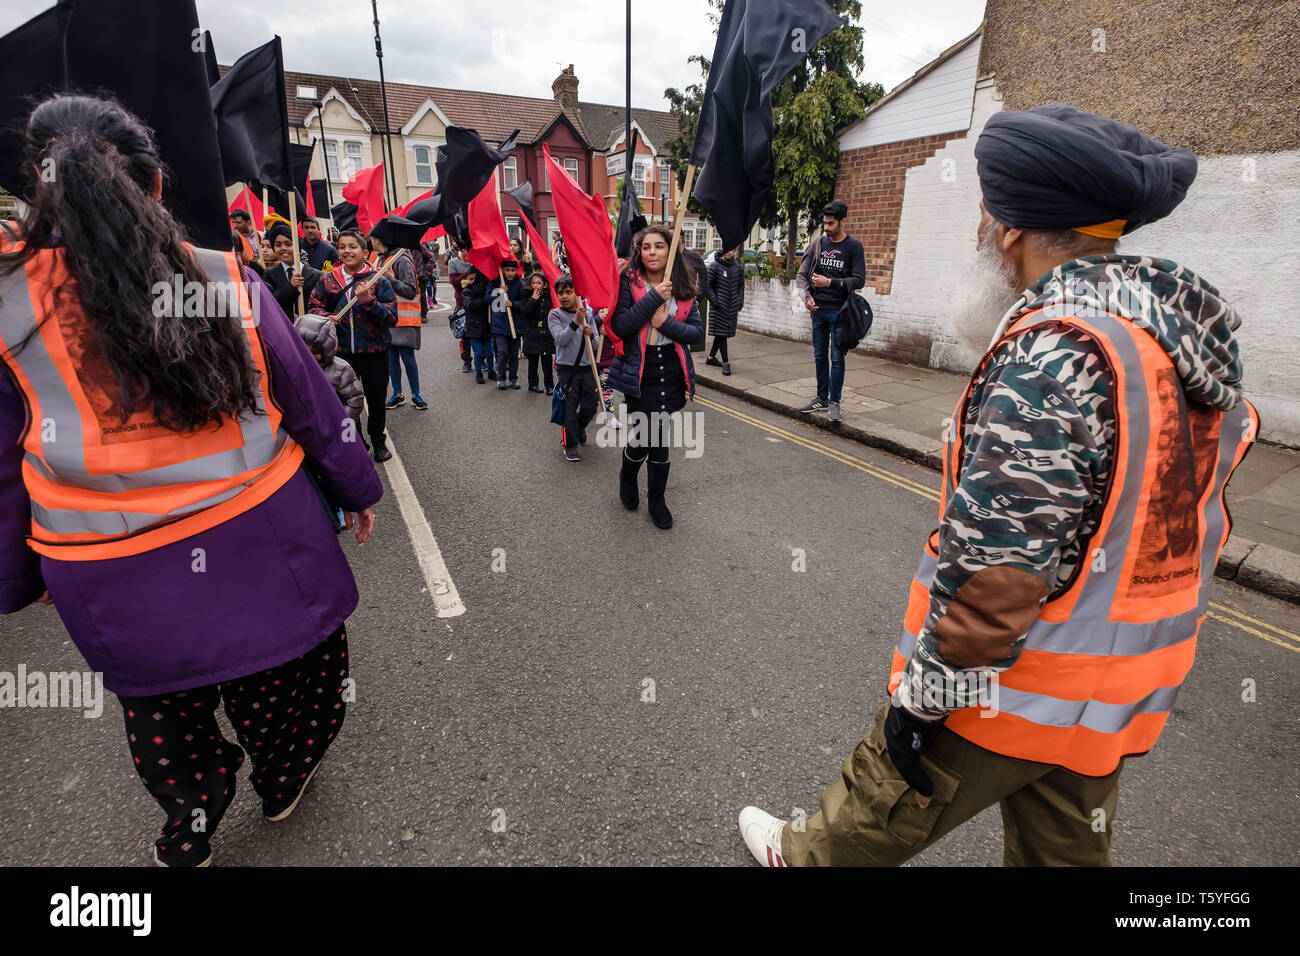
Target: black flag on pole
pixel 148 55
pixel 630 219
pixel 523 195
pixel 210 59
pixel 299 164
pixel 466 163
pixel 252 119
pixel 759 42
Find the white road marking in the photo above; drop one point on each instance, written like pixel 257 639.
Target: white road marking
pixel 445 596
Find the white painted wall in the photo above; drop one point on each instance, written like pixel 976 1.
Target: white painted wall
pixel 939 102
pixel 1243 237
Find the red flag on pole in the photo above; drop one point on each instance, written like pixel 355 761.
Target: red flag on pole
pixel 251 204
pixel 403 210
pixel 490 243
pixel 365 190
pixel 588 237
pixel 543 256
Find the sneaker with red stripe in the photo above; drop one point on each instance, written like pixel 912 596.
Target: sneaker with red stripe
pixel 762 835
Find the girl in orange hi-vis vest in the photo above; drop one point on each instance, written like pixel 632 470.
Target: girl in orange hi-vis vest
pixel 156 412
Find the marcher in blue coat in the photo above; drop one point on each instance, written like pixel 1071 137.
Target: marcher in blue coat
pixel 507 345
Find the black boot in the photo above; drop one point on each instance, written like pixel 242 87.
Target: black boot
pixel 627 482
pixel 381 451
pixel 656 484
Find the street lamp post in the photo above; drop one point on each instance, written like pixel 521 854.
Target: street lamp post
pixel 308 94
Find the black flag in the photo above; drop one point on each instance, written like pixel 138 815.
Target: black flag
pixel 344 215
pixel 466 163
pixel 300 164
pixel 210 59
pixel 252 119
pixel 759 42
pixel 320 194
pixel 523 195
pixel 149 55
pixel 31 68
pixel 630 219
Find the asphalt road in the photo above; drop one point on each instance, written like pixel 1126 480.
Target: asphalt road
pixel 521 731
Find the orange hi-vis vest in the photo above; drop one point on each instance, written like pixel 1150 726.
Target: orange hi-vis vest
pixel 103 488
pixel 408 310
pixel 1102 664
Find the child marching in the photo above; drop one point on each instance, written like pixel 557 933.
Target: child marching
pixel 571 324
pixel 539 344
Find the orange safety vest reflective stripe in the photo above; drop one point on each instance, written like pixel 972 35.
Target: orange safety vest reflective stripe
pixel 408 310
pixel 102 488
pixel 250 252
pixel 1103 662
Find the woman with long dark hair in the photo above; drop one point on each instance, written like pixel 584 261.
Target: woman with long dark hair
pixel 656 379
pixel 157 410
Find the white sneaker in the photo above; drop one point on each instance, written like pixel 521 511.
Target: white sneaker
pixel 762 834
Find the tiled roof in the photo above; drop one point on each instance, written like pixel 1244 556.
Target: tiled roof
pixel 494 115
pixel 604 124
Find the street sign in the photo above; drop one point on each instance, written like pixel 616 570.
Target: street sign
pixel 616 163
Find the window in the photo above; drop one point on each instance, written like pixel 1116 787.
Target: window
pixel 354 160
pixel 694 234
pixel 424 165
pixel 664 174
pixel 571 167
pixel 332 159
pixel 717 242
pixel 510 173
pixel 513 229
pixel 639 173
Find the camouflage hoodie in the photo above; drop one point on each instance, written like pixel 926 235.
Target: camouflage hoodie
pixel 1039 438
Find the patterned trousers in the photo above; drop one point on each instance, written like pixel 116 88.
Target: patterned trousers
pixel 284 717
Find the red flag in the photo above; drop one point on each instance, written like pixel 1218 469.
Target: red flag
pixel 310 202
pixel 588 237
pixel 252 205
pixel 434 233
pixel 490 243
pixel 365 190
pixel 543 256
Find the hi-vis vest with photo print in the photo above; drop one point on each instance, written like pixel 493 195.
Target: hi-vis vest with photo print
pixel 102 488
pixel 1103 662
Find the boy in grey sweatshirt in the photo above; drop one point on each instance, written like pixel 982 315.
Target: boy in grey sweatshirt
pixel 570 324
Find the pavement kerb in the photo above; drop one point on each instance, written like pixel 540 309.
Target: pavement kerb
pixel 1259 567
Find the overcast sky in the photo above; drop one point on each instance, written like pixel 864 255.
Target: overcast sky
pixel 519 46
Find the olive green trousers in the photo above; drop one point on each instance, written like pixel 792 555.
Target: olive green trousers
pixel 871 816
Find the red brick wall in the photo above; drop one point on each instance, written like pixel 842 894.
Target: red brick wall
pixel 871 181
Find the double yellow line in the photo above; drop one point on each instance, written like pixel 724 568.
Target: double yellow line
pixel 905 483
pixel 1243 622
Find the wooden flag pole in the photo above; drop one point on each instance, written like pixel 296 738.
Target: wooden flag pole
pixel 297 263
pixel 591 357
pixel 682 200
pixel 266 205
pixel 337 318
pixel 510 315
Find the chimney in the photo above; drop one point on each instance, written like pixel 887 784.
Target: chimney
pixel 565 89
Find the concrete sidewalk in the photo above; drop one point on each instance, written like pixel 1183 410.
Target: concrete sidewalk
pixel 902 409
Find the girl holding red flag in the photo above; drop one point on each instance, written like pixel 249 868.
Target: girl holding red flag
pixel 656 379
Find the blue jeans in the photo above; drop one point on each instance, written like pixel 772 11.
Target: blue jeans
pixel 507 357
pixel 482 348
pixel 825 327
pixel 397 357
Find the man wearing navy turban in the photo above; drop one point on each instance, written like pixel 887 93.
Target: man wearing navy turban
pixel 1058 603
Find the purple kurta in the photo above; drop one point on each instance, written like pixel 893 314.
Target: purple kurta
pixel 275 581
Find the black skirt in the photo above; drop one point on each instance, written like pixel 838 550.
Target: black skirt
pixel 663 382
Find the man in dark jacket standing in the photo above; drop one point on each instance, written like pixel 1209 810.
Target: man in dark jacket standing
pixel 833 268
pixel 726 292
pixel 315 250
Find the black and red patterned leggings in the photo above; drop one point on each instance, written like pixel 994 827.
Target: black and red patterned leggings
pixel 285 718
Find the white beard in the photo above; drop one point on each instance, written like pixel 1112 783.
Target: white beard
pixel 988 288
